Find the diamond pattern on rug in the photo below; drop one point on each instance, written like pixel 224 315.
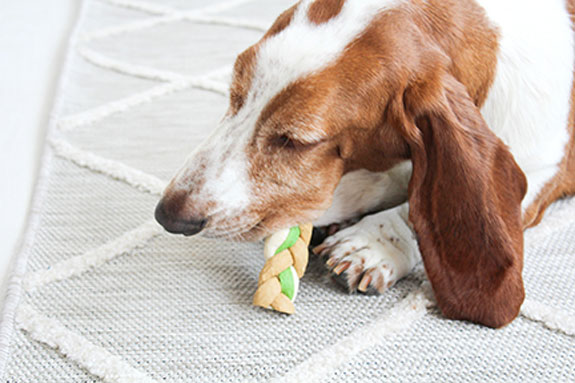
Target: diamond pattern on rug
pixel 438 350
pixel 181 120
pixel 103 84
pixel 97 210
pixel 108 296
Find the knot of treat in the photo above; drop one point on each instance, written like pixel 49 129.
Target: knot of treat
pixel 286 256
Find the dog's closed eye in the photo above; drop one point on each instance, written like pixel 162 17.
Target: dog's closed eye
pixel 284 141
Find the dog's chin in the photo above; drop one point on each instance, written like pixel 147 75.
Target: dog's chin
pixel 253 234
pixel 257 231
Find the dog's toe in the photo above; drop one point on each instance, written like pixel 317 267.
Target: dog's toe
pixel 358 262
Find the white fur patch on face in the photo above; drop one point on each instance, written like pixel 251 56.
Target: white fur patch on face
pixel 304 47
pixel 219 168
pixel 228 184
pixel 528 104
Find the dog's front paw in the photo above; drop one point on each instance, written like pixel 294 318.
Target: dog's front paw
pixel 368 261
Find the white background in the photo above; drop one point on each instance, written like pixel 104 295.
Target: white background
pixel 33 39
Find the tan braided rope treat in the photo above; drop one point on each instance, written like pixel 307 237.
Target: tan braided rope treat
pixel 286 253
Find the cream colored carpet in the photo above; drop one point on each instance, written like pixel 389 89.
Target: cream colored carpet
pixel 102 294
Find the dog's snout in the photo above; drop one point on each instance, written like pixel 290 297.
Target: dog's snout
pixel 175 223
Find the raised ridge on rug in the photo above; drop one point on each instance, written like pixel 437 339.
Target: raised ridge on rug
pixel 102 294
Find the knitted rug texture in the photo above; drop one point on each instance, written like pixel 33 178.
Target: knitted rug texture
pixel 102 294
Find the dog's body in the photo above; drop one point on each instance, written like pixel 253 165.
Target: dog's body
pixel 526 107
pixel 455 119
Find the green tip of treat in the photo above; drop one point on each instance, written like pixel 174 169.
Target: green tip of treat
pixel 287 282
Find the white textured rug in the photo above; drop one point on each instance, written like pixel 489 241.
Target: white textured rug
pixel 102 294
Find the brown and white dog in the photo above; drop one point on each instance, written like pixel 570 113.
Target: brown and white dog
pixel 450 122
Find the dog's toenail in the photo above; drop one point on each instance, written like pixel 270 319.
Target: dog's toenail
pixel 364 284
pixel 318 249
pixel 341 268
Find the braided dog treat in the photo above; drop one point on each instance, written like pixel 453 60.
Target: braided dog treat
pixel 286 256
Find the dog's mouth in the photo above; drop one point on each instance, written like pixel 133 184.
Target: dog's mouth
pixel 245 227
pixel 257 228
pixel 249 233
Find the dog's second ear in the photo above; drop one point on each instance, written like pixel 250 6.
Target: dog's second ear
pixel 465 204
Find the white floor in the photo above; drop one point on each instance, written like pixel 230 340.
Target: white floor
pixel 33 36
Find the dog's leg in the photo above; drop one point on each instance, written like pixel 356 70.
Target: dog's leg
pixel 373 254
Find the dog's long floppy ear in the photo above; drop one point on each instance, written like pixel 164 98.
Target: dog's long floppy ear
pixel 465 204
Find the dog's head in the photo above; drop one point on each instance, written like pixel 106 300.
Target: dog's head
pixel 339 85
pixel 305 103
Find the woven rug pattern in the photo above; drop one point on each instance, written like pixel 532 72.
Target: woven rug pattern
pixel 102 294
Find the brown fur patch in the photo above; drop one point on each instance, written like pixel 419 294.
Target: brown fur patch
pixel 242 81
pixel 321 11
pixel 462 31
pixel 281 22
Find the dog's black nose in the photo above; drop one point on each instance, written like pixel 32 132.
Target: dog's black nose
pixel 175 224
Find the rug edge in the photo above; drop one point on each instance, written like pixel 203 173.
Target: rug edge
pixel 19 263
